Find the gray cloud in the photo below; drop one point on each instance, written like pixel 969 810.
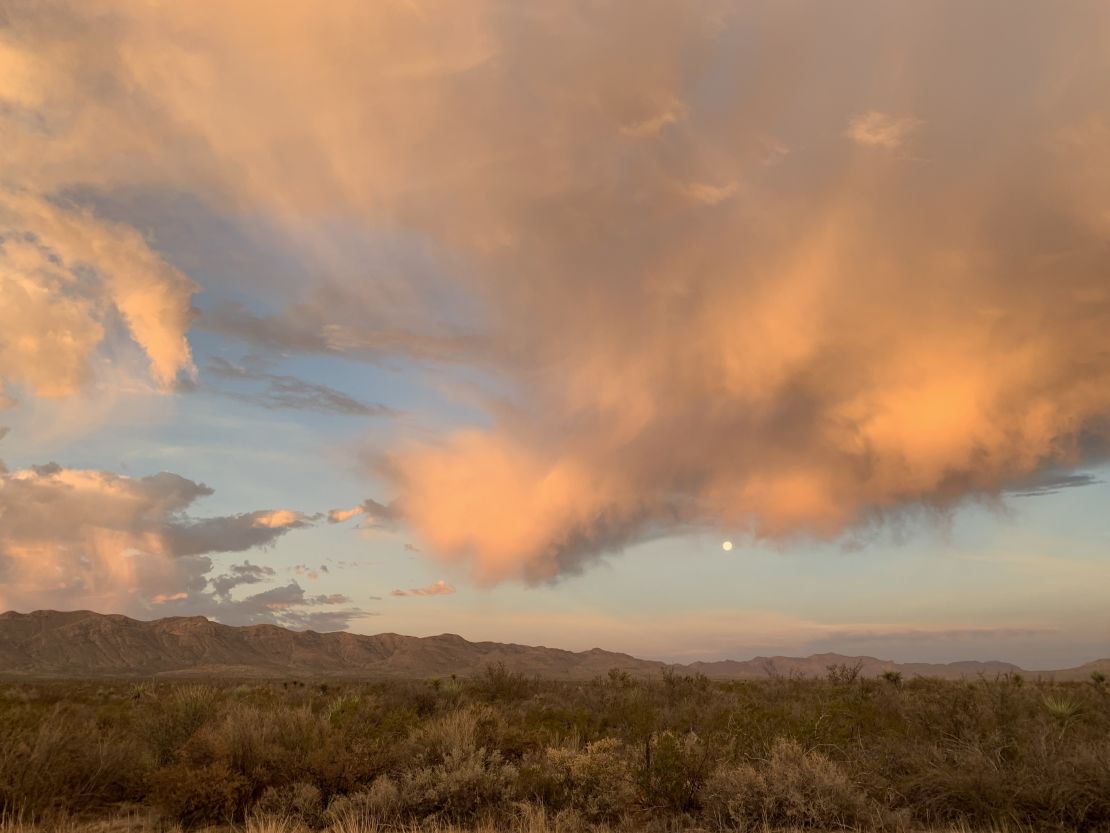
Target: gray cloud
pixel 231 533
pixel 283 391
pixel 339 321
pixel 285 605
pixel 1050 482
pixel 239 574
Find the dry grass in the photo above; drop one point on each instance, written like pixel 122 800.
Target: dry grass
pixel 509 754
pixel 530 821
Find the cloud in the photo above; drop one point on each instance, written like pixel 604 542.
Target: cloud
pixel 827 345
pixel 654 123
pixel 80 538
pixel 286 605
pixel 67 278
pixel 162 598
pixel 709 194
pixel 1050 483
pixel 378 515
pixel 439 588
pixel 282 391
pixel 232 533
pixel 337 321
pixel 880 130
pixel 238 574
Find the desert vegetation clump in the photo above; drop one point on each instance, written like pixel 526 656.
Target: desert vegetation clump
pixel 503 751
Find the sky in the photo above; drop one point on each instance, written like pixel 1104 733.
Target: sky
pixel 500 319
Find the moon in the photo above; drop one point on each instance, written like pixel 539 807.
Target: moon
pixel 726 546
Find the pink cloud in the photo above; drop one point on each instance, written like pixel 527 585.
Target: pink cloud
pixel 439 588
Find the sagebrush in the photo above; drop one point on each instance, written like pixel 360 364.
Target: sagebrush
pixel 668 753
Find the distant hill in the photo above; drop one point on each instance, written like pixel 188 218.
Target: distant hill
pixel 818 664
pixel 81 643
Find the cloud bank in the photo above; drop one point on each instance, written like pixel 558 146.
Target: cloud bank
pixel 711 295
pixel 72 538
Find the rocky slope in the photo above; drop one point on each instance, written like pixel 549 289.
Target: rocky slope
pixel 81 643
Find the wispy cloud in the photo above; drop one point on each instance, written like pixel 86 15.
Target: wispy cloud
pixel 283 391
pixel 312 328
pixel 880 130
pixel 439 588
pixel 1051 482
pixel 375 515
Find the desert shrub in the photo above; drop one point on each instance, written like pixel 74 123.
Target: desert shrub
pixel 196 796
pixel 616 751
pixel 843 674
pixel 459 788
pixel 1065 786
pixel 732 796
pixel 342 711
pixel 265 747
pixel 381 802
pixel 271 823
pixel 299 802
pixel 257 747
pixel 185 710
pixel 65 761
pixel 673 770
pixel 455 733
pixel 502 685
pixel 795 787
pixel 453 771
pixel 596 781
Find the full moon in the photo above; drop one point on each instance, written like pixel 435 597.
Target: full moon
pixel 726 546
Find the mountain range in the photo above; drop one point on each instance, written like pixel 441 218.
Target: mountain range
pixel 48 643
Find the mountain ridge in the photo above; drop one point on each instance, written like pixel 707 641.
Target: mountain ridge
pixel 82 643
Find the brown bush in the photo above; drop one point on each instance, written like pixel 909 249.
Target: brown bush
pixel 795 788
pixel 669 753
pixel 301 803
pixel 199 795
pixel 65 762
pixel 596 781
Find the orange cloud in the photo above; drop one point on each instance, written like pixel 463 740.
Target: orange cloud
pixel 439 588
pixel 162 598
pixel 63 275
pixel 875 129
pixel 278 519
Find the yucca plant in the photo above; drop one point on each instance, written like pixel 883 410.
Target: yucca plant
pixel 1063 710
